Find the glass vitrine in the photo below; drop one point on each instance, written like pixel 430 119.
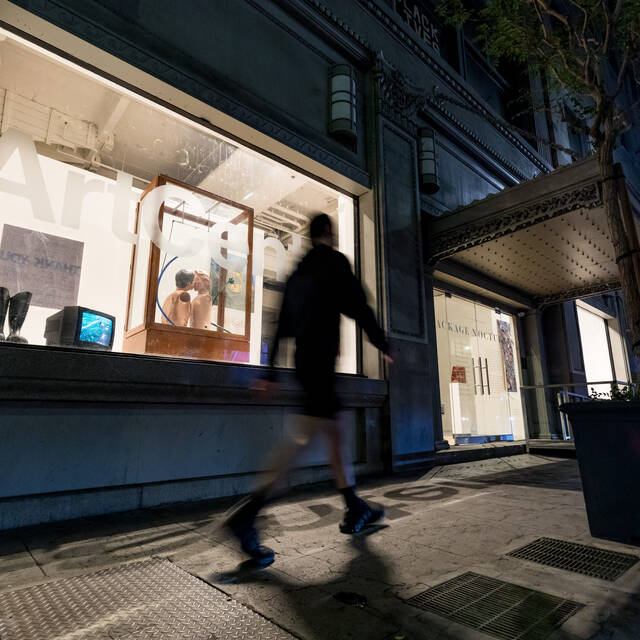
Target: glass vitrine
pixel 190 288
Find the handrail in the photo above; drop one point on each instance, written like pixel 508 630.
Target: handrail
pixel 575 384
pixel 563 396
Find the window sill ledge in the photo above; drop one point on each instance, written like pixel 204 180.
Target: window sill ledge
pixel 44 374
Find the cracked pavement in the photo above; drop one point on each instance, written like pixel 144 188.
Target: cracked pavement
pixel 451 520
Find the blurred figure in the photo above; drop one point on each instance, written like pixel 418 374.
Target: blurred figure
pixel 322 287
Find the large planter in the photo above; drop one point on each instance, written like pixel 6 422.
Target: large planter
pixel 607 438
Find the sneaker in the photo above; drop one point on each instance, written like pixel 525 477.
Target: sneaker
pixel 241 525
pixel 358 517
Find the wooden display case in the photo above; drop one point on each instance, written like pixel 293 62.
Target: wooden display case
pixel 150 327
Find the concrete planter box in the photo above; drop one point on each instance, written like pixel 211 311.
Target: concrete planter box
pixel 607 439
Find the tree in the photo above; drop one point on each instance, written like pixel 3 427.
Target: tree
pixel 588 49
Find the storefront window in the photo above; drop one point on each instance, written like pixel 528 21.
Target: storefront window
pixel 134 229
pixel 479 371
pixel 602 349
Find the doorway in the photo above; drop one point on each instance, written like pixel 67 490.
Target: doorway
pixel 479 371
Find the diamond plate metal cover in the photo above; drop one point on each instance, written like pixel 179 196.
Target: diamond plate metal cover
pixel 498 608
pixel 579 558
pixel 154 599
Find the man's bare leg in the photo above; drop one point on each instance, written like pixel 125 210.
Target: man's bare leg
pixel 241 520
pixel 358 512
pixel 303 429
pixel 343 476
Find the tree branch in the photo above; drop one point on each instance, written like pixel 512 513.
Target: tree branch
pixel 545 32
pixel 583 41
pixel 617 11
pixel 607 33
pixel 555 50
pixel 571 32
pixel 554 14
pixel 622 70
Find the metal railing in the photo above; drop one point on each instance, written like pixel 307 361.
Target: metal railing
pixel 555 395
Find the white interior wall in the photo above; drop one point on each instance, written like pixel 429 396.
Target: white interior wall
pixel 595 349
pixel 105 264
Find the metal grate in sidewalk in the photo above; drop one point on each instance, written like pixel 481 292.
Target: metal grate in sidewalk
pixel 147 600
pixel 498 608
pixel 579 558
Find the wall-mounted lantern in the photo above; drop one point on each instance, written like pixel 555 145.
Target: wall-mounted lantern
pixel 342 116
pixel 427 164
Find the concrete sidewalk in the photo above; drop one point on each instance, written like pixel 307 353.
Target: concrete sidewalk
pixel 452 520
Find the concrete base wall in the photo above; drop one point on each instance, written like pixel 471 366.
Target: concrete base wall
pixel 60 462
pixel 29 510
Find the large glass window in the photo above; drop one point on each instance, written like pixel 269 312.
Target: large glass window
pixel 603 351
pixel 137 230
pixel 479 371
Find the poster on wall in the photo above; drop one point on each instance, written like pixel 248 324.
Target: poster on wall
pixel 459 374
pixel 504 334
pixel 46 265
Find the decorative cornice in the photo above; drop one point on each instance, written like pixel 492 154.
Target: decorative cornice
pixel 434 63
pixel 574 294
pixel 258 5
pixel 402 101
pixel 340 24
pixel 470 133
pixel 185 80
pixel 427 204
pixel 467 235
pixel 394 96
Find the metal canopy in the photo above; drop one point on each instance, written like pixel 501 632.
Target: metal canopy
pixel 547 237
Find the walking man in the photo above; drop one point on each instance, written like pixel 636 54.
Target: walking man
pixel 322 287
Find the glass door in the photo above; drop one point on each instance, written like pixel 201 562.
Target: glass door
pixel 479 373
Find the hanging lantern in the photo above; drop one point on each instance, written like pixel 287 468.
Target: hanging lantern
pixel 428 166
pixel 342 117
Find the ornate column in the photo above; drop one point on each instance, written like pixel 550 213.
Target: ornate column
pixel 536 400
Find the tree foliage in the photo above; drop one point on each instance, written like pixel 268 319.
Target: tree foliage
pixel 590 48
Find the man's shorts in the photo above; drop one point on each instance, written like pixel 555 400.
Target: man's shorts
pixel 318 383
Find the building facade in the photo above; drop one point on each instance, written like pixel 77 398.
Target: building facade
pixel 159 165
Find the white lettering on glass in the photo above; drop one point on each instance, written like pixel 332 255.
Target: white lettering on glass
pixel 77 189
pixel 224 238
pixel 32 188
pixel 281 256
pixel 149 209
pixel 123 194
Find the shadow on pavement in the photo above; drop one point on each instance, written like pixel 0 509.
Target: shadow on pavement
pixel 359 602
pixel 563 475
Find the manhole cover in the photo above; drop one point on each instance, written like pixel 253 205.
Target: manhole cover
pixel 580 558
pixel 498 608
pixel 145 600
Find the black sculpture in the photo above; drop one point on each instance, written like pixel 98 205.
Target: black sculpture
pixel 18 307
pixel 4 305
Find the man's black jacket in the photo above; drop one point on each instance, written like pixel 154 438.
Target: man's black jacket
pixel 320 289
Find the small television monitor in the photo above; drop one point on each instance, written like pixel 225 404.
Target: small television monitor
pixel 80 327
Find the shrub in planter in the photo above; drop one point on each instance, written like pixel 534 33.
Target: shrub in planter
pixel 607 439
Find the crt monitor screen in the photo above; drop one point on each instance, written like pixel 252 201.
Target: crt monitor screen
pixel 95 329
